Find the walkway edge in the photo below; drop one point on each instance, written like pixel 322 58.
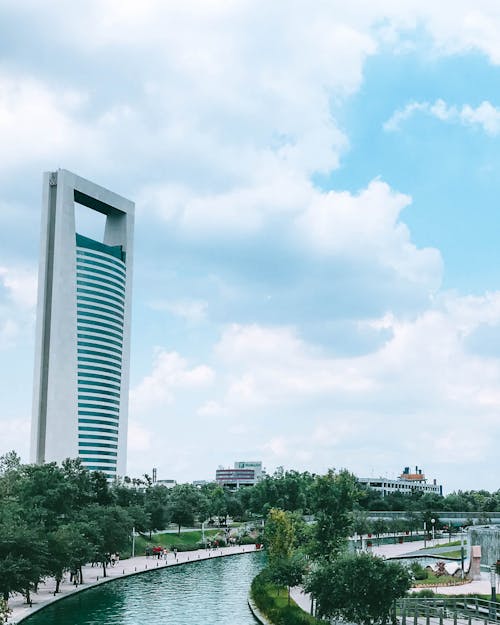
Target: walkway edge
pixel 258 615
pixel 15 620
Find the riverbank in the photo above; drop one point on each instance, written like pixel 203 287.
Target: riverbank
pixel 93 577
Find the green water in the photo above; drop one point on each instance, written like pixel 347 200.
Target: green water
pixel 211 592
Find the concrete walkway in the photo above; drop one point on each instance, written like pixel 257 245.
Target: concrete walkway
pixel 92 576
pixel 482 586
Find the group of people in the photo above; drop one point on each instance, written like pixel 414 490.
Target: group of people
pixel 158 552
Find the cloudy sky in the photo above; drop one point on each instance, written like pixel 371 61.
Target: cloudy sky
pixel 317 254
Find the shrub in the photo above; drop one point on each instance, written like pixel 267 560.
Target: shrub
pixel 418 571
pixel 246 540
pixel 426 593
pixel 182 547
pixel 440 569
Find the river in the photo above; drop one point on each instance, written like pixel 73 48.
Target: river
pixel 210 592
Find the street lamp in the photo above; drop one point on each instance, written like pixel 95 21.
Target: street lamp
pixel 462 551
pixel 433 533
pixel 493 580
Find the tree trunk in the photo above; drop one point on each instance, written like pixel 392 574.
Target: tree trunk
pixel 28 596
pixel 288 595
pixel 179 530
pixel 58 582
pixel 104 568
pixel 81 574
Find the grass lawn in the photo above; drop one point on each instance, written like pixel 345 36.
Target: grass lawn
pixel 433 580
pixel 454 543
pixel 187 539
pixel 280 611
pixel 451 554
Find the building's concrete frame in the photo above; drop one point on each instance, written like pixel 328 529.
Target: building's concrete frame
pixel 54 434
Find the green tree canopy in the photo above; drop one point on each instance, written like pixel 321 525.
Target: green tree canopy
pixel 358 588
pixel 333 497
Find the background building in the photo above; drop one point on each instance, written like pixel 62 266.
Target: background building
pixel 81 381
pixel 243 474
pixel 406 483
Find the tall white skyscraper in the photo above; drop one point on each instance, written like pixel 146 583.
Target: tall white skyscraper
pixel 82 351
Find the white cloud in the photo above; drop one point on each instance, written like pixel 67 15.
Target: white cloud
pixel 17 303
pixel 486 116
pixel 273 365
pixel 139 438
pixel 170 374
pixel 20 284
pixel 9 331
pixel 216 116
pixel 38 123
pixel 193 311
pixel 367 226
pixel 15 436
pixel 422 389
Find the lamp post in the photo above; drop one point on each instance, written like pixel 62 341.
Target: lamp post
pixel 462 551
pixel 425 534
pixel 493 579
pixel 433 521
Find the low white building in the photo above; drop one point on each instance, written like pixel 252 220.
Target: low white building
pixel 407 483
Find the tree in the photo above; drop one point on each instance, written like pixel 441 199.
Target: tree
pixel 222 503
pixel 333 497
pixel 288 571
pixel 69 550
pixel 358 588
pixel 156 507
pixel 108 531
pixel 183 505
pixel 380 526
pixel 278 536
pixel 360 522
pixel 45 495
pixel 23 558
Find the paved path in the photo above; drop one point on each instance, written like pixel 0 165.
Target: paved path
pixel 411 548
pixel 481 586
pixel 92 576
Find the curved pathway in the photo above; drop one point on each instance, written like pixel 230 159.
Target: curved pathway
pixel 93 577
pixel 481 586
